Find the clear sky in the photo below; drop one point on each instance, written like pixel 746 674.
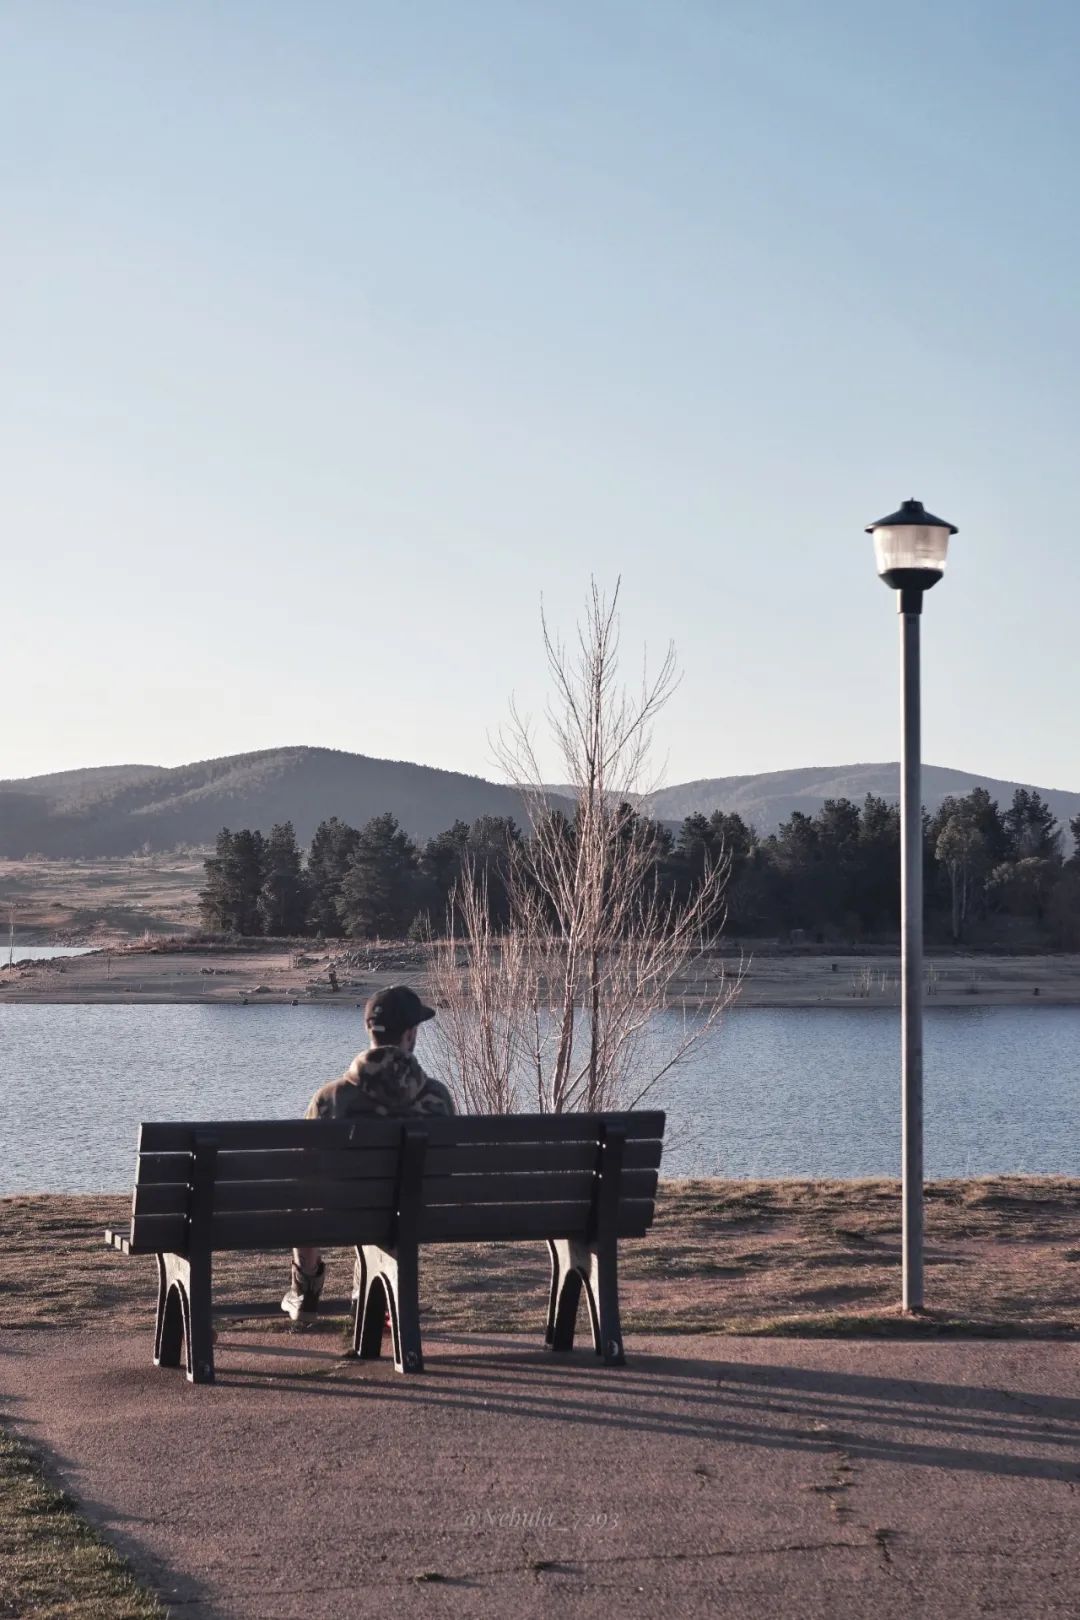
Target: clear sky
pixel 334 335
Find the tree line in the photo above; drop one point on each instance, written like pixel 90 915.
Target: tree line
pixel 991 875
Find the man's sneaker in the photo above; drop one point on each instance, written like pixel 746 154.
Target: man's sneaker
pixel 303 1297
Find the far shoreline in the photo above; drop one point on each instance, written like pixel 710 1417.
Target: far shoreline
pixel 175 974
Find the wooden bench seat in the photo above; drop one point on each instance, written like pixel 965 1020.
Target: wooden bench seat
pixel 386 1187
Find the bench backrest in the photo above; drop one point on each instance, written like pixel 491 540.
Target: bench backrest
pixel 273 1183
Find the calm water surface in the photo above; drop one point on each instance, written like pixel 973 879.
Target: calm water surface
pixel 40 953
pixel 809 1091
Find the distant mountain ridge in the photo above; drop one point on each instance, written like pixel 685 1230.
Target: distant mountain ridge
pixel 767 799
pixel 118 809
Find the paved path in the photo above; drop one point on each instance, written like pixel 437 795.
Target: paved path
pixel 710 1476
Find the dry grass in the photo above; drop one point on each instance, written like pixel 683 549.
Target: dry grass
pixel 53 1566
pixel 123 897
pixel 802 1257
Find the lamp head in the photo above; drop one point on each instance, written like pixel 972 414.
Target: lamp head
pixel 911 546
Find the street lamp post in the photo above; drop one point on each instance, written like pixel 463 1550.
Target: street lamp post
pixel 911 547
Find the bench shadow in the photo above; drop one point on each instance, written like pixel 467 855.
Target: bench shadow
pixel 915 1422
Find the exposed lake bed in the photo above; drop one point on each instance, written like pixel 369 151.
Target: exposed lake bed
pixel 769 978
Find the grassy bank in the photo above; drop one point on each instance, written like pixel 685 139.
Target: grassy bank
pixel 53 1566
pixel 805 1257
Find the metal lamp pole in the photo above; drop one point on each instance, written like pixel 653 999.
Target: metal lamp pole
pixel 909 606
pixel 911 547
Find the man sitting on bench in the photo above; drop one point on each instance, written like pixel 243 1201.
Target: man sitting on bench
pixel 384 1082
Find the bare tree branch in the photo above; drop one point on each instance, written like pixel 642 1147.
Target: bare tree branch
pixel 563 1010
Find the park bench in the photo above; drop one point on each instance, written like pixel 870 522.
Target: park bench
pixel 387 1186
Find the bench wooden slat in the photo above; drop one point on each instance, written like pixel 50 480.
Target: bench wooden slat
pixel 510 1156
pixel 233 1197
pixel 483 1223
pixel 441 1224
pixel 507 1191
pixel 169 1136
pixel 360 1163
pixel 237 1197
pixel 168 1234
pixel 344 1164
pixel 260 1230
pixel 477 1128
pixel 282 1135
pixel 151 1168
pixel 159 1234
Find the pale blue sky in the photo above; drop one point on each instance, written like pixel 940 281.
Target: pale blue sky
pixel 334 334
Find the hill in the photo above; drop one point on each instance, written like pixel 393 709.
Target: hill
pixel 765 800
pixel 72 790
pixel 117 810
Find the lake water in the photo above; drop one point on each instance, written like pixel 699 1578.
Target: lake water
pixel 40 953
pixel 805 1092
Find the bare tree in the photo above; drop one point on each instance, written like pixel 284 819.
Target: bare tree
pixel 961 849
pixel 559 1012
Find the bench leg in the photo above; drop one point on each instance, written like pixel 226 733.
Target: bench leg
pixel 604 1291
pixel 553 1293
pixel 576 1268
pixel 360 1278
pixel 565 1295
pixel 408 1350
pixel 184 1316
pixel 200 1364
pixel 170 1333
pixel 372 1304
pixel 389 1282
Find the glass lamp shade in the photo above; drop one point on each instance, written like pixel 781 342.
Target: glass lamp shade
pixel 911 547
pixel 923 545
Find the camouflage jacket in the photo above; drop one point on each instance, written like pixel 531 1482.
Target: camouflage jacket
pixel 383 1082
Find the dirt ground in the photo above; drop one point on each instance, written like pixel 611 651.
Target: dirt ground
pixel 788 1257
pixel 711 1478
pixel 191 974
pixel 782 1440
pixel 174 972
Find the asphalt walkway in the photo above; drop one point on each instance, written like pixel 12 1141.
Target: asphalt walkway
pixel 710 1476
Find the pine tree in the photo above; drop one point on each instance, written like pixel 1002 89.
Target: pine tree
pixel 988 819
pixel 234 876
pixel 284 896
pixel 328 860
pixel 440 869
pixel 1032 826
pixel 695 852
pixel 379 892
pixel 212 903
pixel 877 890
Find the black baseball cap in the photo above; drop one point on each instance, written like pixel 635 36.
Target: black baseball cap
pixel 392 1011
